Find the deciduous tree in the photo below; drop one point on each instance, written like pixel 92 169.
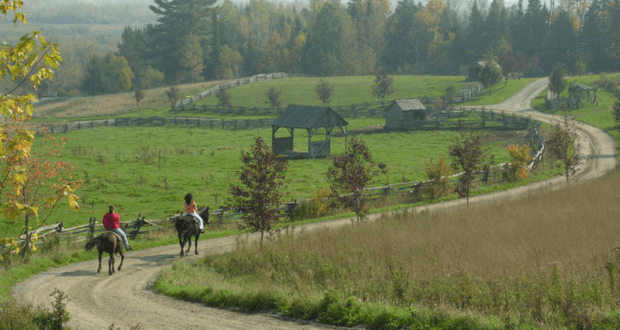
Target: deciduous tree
pixel 259 189
pixel 383 85
pixel 28 63
pixel 468 155
pixel 273 97
pixel 324 90
pixel 350 173
pixel 561 146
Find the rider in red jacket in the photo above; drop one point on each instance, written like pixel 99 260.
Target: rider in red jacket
pixel 112 221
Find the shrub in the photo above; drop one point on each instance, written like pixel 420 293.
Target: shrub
pixel 520 156
pixel 437 175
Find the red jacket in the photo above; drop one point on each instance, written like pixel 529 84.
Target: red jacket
pixel 111 221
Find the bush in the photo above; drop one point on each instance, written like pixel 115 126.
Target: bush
pixel 16 316
pixel 437 175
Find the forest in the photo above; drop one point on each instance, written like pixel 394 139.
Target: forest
pixel 184 41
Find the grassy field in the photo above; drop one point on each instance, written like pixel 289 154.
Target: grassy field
pixel 598 115
pixel 500 91
pixel 148 170
pixel 347 90
pixel 546 261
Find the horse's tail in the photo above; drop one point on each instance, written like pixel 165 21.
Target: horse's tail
pixel 91 244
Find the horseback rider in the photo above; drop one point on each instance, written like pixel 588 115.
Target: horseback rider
pixel 111 221
pixel 190 209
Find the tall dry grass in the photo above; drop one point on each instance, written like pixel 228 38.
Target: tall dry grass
pixel 549 259
pixel 115 104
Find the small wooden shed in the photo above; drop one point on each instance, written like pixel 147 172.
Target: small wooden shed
pixel 404 114
pixel 316 120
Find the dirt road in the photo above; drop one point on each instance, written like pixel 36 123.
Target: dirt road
pixel 125 299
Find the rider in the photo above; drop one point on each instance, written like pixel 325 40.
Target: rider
pixel 111 221
pixel 190 209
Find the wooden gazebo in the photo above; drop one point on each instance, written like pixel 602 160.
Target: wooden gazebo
pixel 316 120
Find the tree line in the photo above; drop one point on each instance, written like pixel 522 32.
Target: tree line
pixel 196 40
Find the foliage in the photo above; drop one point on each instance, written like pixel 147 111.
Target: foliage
pixel 173 95
pixel 15 316
pixel 557 81
pixel 438 181
pixel 26 180
pixel 617 114
pixel 261 178
pixel 107 74
pixel 223 98
pixel 273 97
pixel 561 146
pixel 350 173
pixel 450 94
pixel 520 156
pixel 324 90
pixel 383 85
pixel 139 95
pixel 489 73
pixel 468 154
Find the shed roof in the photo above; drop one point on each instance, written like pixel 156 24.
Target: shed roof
pixel 409 104
pixel 305 116
pixel 581 86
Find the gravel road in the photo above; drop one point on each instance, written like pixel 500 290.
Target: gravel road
pixel 126 298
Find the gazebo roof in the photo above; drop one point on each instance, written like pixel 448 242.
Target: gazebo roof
pixel 304 116
pixel 410 104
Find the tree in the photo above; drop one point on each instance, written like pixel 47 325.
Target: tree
pixel 258 192
pixel 273 97
pixel 29 62
pixel 107 74
pixel 324 90
pixel 383 85
pixel 177 21
pixel 557 83
pixel 350 173
pixel 468 155
pixel 173 95
pixel 438 181
pixel 223 98
pixel 561 146
pixel 617 114
pixel 489 73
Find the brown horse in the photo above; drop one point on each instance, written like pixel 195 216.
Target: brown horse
pixel 107 242
pixel 187 226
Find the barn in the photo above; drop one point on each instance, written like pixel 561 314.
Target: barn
pixel 316 120
pixel 404 114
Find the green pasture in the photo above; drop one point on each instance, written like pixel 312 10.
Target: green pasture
pixel 346 90
pixel 500 91
pixel 600 115
pixel 148 170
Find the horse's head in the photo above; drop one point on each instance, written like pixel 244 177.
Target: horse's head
pixel 204 214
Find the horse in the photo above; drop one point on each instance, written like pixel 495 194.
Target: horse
pixel 187 226
pixel 107 242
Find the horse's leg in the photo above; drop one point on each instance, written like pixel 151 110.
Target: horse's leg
pixel 196 242
pixel 181 243
pixel 122 256
pixel 100 254
pixel 111 263
pixel 188 237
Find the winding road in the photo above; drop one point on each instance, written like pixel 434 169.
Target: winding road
pixel 126 299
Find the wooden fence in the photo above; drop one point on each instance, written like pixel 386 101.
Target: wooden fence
pixel 452 118
pixel 231 84
pixel 83 232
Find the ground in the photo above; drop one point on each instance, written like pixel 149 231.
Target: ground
pixel 126 298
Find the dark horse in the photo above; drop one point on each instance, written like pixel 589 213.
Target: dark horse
pixel 107 242
pixel 187 226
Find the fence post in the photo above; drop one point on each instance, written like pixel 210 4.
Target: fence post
pixel 92 221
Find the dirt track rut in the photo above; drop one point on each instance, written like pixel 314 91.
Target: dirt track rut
pixel 125 299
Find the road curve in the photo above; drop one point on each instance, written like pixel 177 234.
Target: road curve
pixel 126 298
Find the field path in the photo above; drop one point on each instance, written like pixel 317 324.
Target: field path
pixel 126 299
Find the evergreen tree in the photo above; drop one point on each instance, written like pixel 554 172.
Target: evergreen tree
pixel 179 19
pixel 400 49
pixel 593 37
pixel 476 34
